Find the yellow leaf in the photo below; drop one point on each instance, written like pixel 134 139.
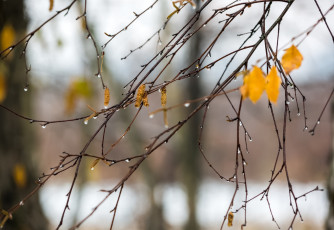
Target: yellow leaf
pixel 163 96
pixel 292 59
pixel 273 82
pixel 140 95
pixel 79 88
pixel 19 175
pixel 106 97
pixel 7 36
pixel 230 219
pixel 254 85
pixel 3 87
pixel 51 5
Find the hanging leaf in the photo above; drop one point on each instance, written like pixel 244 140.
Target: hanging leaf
pixel 292 59
pixel 230 219
pixel 140 95
pixel 19 175
pixel 7 36
pixel 51 5
pixel 3 87
pixel 254 84
pixel 163 96
pixel 273 82
pixel 106 97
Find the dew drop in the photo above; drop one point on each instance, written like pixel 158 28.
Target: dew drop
pixel 127 160
pixel 204 25
pixel 318 122
pixel 61 166
pixel 240 123
pixel 89 37
pixel 99 75
pixel 95 117
pixel 306 128
pixel 290 228
pixel 292 99
pixel 85 122
pixel 166 126
pixel 244 163
pixel 10 48
pixel 160 43
pixel 234 176
pixel 92 168
pixel 106 107
pixel 21 203
pixel 298 114
pixel 287 102
pixel 239 150
pixel 151 116
pixel 25 89
pixel 186 104
pixel 250 139
pixel 31 121
pixel 43 126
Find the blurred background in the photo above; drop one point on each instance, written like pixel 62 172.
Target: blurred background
pixel 175 188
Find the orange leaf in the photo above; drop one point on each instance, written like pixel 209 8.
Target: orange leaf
pixel 106 97
pixel 2 87
pixel 230 219
pixel 51 5
pixel 273 82
pixel 292 59
pixel 254 85
pixel 20 176
pixel 7 36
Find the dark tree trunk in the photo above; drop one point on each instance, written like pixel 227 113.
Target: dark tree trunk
pixel 16 153
pixel 330 218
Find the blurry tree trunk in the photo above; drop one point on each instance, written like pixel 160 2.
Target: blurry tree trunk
pixel 330 218
pixel 16 155
pixel 190 153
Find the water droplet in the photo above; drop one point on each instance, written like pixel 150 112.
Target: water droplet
pixel 204 25
pixel 21 203
pixel 85 122
pixel 39 179
pixel 43 126
pixel 240 123
pixel 287 102
pixel 290 228
pixel 89 37
pixel 127 160
pixel 23 52
pixel 234 176
pixel 95 117
pixel 186 104
pixel 31 121
pixel 99 75
pixel 106 107
pixel 61 166
pixel 318 122
pixel 197 66
pixel 98 56
pixel 112 162
pixel 312 132
pixel 244 163
pixel 92 168
pixel 166 126
pixel 292 86
pixel 292 99
pixel 10 48
pixel 306 128
pixel 250 139
pixel 160 43
pixel 25 88
pixel 123 136
pixel 239 150
pixel 151 116
pixel 298 114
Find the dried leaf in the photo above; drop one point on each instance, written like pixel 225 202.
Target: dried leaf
pixel 292 59
pixel 106 97
pixel 145 100
pixel 140 95
pixel 51 5
pixel 7 36
pixel 230 219
pixel 3 87
pixel 163 96
pixel 273 82
pixel 20 175
pixel 254 85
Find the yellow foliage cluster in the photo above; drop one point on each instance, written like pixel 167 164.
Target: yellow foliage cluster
pixel 79 88
pixel 141 96
pixel 255 82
